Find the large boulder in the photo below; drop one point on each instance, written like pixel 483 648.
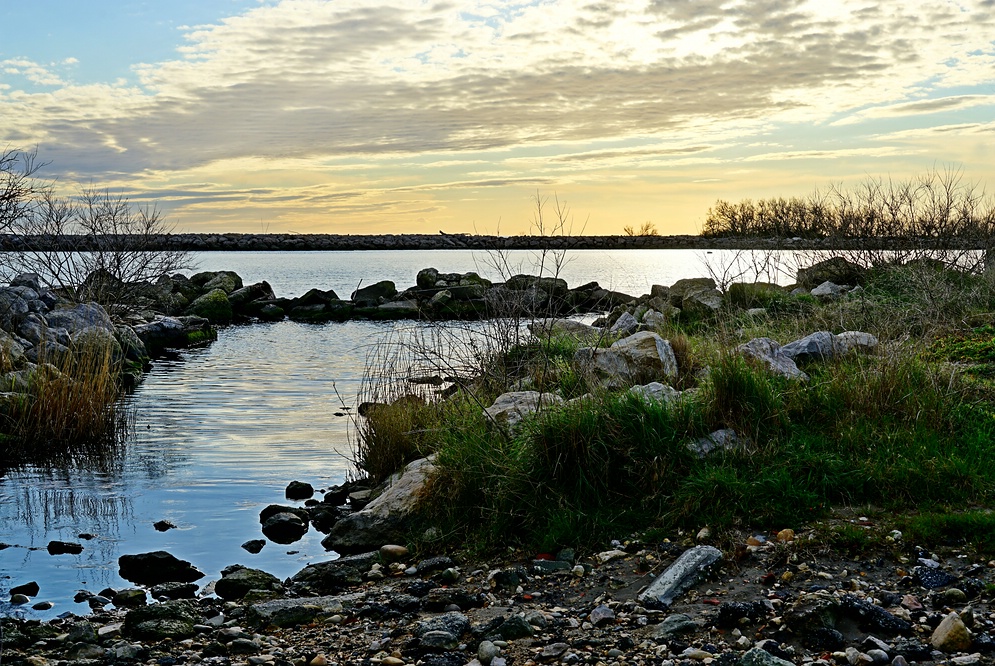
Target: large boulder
pixel 163 333
pixel 835 269
pixel 642 357
pixel 80 317
pixel 11 353
pixel 213 306
pixel 237 581
pixel 241 298
pixel 384 519
pixel 427 277
pixel 284 527
pixel 171 619
pixel 294 612
pixel 510 408
pixel 335 575
pixel 768 352
pixel 857 342
pixel 818 346
pixel 157 567
pixel 374 294
pixel 227 281
pixel 12 308
pixel 682 288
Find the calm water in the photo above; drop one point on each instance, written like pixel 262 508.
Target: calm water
pixel 219 431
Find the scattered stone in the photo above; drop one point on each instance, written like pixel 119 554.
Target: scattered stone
pixel 601 615
pixel 951 635
pixel 163 526
pixel 235 583
pixel 680 576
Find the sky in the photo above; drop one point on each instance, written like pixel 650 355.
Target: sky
pixel 394 116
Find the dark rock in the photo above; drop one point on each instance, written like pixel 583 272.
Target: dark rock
pixel 873 618
pixel 602 615
pixel 824 639
pixel 157 567
pixel 440 598
pixel 374 294
pixel 174 591
pixel 171 619
pixel 731 612
pixel 30 589
pixel 163 526
pixel 130 598
pixel 434 564
pixel 254 545
pixel 508 579
pixel 912 650
pixel 516 627
pixel 335 575
pixel 64 548
pixel 298 490
pixel 932 578
pixel 236 584
pixel 438 641
pixel 834 269
pixel 284 527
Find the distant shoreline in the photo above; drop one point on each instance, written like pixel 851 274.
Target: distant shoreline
pixel 233 242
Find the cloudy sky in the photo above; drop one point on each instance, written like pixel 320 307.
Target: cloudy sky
pixel 377 116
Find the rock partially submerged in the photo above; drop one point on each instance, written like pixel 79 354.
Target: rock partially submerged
pixel 157 567
pixel 383 520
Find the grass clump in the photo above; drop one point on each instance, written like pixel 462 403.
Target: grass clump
pixel 902 429
pixel 69 406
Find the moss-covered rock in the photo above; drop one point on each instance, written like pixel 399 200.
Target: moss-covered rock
pixel 213 306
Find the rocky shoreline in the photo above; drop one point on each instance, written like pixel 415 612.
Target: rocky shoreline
pixel 769 599
pixel 228 242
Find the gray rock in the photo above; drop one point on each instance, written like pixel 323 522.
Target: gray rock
pixel 601 615
pixel 254 545
pixel 334 575
pixel 818 346
pixel 640 358
pixel 453 622
pixel 769 352
pixel 725 439
pixel 486 651
pixel 382 520
pixel 758 657
pixel 234 585
pixel 681 288
pixel 856 341
pixel 30 280
pixel 130 598
pixel 674 625
pixel 626 324
pixel 438 640
pixel 656 392
pixel 80 317
pixel 11 352
pixel 84 651
pixel 171 619
pixel 426 278
pixel 509 409
pixel 828 291
pixel 12 308
pixel 163 333
pixel 294 612
pixel 679 576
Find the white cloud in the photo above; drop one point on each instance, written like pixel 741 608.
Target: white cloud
pixel 375 82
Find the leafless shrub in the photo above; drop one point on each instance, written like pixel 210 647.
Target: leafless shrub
pixel 936 215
